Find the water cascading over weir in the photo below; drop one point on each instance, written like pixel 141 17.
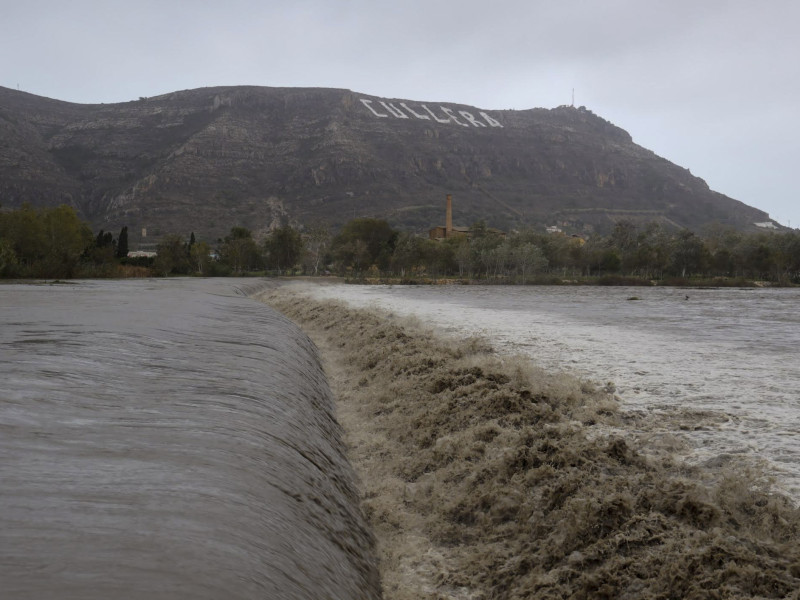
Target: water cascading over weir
pixel 170 439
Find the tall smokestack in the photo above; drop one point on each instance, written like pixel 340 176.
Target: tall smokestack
pixel 448 224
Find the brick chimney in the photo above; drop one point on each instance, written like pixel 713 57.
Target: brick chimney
pixel 448 224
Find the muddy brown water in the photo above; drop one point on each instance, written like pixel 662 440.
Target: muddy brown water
pixel 169 439
pixel 718 372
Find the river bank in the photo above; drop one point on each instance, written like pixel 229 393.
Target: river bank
pixel 602 280
pixel 484 477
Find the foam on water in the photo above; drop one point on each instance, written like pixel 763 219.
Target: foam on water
pixel 169 439
pixel 720 369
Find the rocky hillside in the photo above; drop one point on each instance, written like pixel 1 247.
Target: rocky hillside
pixel 205 160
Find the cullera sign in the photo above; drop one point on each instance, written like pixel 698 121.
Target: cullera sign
pixel 467 119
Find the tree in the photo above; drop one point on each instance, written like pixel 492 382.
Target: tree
pixel 722 243
pixel 482 243
pixel 689 254
pixel 283 248
pixel 104 239
pixel 24 229
pixel 463 255
pixel 66 238
pixel 407 253
pixel 478 230
pixel 626 242
pixel 527 258
pixel 48 242
pixel 495 258
pixel 610 260
pixel 557 249
pixel 103 253
pixel 171 256
pixel 240 251
pixel 122 243
pixel 200 257
pixel 317 243
pixel 651 254
pixel 8 259
pixel 364 242
pixel 437 256
pixel 787 256
pixel 360 257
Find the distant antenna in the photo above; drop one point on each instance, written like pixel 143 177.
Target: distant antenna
pixel 573 98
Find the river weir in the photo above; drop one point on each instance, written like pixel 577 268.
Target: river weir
pixel 170 439
pixel 715 368
pixel 485 475
pixel 177 439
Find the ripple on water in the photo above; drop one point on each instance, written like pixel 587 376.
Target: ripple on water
pixel 169 439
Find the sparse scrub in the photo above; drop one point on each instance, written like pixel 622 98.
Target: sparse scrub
pixel 485 477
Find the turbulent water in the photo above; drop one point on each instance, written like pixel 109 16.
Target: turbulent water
pixel 169 439
pixel 718 369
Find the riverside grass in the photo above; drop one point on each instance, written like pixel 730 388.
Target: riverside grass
pixel 484 477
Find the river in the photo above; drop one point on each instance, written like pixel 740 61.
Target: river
pixel 716 370
pixel 169 439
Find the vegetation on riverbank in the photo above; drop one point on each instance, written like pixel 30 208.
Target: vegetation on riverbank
pixel 55 243
pixel 484 477
pixel 604 280
pixel 630 255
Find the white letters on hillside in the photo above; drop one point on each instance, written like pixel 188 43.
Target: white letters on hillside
pixel 435 118
pixel 394 110
pixel 472 120
pixel 397 113
pixel 367 103
pixel 490 120
pixel 416 114
pixel 450 114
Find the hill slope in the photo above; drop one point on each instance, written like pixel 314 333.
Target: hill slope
pixel 205 160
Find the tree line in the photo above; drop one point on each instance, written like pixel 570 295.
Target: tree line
pixel 54 242
pixel 42 242
pixel 632 253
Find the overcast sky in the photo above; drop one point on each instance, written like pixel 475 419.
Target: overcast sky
pixel 711 85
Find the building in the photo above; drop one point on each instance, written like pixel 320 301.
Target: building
pixel 443 232
pixel 447 230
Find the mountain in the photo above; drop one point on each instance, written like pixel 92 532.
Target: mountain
pixel 208 159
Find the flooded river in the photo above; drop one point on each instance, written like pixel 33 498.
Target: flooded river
pixel 719 369
pixel 169 439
